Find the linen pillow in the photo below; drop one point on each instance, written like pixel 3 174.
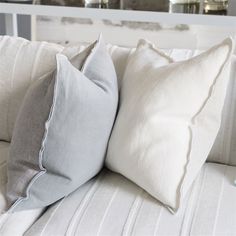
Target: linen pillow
pixel 61 133
pixel 168 120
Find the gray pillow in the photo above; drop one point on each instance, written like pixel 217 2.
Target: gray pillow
pixel 62 130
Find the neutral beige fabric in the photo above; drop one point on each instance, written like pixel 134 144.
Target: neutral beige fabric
pixel 16 224
pixel 12 224
pixel 11 98
pixel 168 119
pixel 224 150
pixel 21 62
pixel 4 149
pixel 120 57
pixel 12 90
pixel 69 116
pixel 112 205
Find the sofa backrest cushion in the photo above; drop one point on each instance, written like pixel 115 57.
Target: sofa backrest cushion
pixel 21 62
pixel 13 86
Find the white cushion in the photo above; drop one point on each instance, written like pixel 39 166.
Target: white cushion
pixel 224 150
pixel 120 57
pixel 112 205
pixel 168 120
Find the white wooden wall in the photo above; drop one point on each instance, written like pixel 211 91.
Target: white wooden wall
pixel 64 30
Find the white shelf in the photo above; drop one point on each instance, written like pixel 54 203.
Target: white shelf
pixel 126 15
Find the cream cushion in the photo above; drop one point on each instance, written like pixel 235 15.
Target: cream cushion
pixel 223 150
pixel 168 119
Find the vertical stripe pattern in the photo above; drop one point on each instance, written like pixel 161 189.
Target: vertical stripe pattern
pixel 21 62
pixel 112 205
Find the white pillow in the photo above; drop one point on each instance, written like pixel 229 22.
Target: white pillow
pixel 168 119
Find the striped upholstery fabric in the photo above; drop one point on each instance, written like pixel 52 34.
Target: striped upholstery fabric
pixel 112 205
pixel 21 62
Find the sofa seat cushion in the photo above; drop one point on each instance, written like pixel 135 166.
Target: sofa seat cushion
pixel 9 223
pixel 112 205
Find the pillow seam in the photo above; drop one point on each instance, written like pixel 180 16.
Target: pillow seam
pixel 190 126
pixel 41 151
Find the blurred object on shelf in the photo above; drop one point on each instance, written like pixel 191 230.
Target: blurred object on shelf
pixel 18 1
pixel 114 4
pixel 184 6
pixel 215 7
pixel 147 5
pixel 96 3
pixel 72 3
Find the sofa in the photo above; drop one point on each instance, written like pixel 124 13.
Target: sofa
pixel 110 204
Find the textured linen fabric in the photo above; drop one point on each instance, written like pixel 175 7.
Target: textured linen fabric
pixel 168 120
pixel 4 152
pixel 16 224
pixel 68 119
pixel 21 63
pixel 39 58
pixel 120 57
pixel 9 223
pixel 223 150
pixel 112 205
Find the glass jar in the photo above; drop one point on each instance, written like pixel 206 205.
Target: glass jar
pixel 216 7
pixel 184 6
